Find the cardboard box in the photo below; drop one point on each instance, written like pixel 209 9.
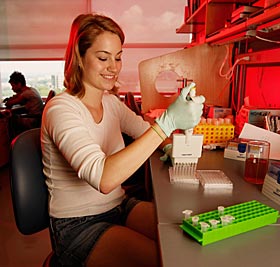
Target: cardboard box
pixel 234 154
pixel 236 149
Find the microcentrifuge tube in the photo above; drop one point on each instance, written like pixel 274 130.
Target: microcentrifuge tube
pixel 230 218
pixel 221 210
pixel 214 223
pixel 195 220
pixel 204 226
pixel 224 220
pixel 187 214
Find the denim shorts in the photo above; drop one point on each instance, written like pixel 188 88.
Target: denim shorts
pixel 73 238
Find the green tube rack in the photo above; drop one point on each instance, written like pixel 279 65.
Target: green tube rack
pixel 247 216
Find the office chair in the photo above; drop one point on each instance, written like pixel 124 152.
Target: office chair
pixel 51 94
pixel 28 188
pixel 130 101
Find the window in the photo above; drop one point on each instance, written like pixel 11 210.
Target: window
pixel 42 75
pixel 150 29
pixel 33 39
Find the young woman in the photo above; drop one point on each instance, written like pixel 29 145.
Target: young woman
pixel 85 161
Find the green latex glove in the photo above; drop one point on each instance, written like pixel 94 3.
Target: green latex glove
pixel 167 152
pixel 182 114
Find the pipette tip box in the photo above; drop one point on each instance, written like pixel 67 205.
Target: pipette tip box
pixel 247 216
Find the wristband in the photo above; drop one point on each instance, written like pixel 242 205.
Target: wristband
pixel 158 133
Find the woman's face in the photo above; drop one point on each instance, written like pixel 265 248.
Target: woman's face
pixel 102 62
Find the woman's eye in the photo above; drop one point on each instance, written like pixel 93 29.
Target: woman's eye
pixel 105 59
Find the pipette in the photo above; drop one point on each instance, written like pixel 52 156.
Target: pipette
pixel 189 132
pixel 186 150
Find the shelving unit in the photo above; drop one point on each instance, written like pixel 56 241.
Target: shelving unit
pixel 242 30
pixel 253 34
pixel 211 23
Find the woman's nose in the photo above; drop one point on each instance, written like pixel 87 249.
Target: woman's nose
pixel 112 65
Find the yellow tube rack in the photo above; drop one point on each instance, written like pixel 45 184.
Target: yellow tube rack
pixel 215 133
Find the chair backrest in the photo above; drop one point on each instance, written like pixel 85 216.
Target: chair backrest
pixel 51 94
pixel 28 188
pixel 130 101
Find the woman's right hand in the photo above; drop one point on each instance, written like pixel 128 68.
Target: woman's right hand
pixel 182 114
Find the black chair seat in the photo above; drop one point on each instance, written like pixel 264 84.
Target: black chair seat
pixel 28 188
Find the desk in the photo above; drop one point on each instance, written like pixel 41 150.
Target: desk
pixel 255 248
pixel 19 120
pixel 16 109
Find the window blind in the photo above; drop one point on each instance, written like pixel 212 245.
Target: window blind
pixel 37 29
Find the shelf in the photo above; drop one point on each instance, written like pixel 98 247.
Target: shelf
pixel 208 18
pixel 196 22
pixel 210 22
pixel 242 29
pixel 271 57
pixel 232 1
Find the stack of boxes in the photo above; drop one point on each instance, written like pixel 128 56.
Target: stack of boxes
pixel 271 186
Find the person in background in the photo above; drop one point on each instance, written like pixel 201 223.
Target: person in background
pixel 92 221
pixel 27 97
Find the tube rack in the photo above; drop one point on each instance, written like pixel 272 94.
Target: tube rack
pixel 247 216
pixel 214 133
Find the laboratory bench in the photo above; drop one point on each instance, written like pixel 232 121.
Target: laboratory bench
pixel 257 247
